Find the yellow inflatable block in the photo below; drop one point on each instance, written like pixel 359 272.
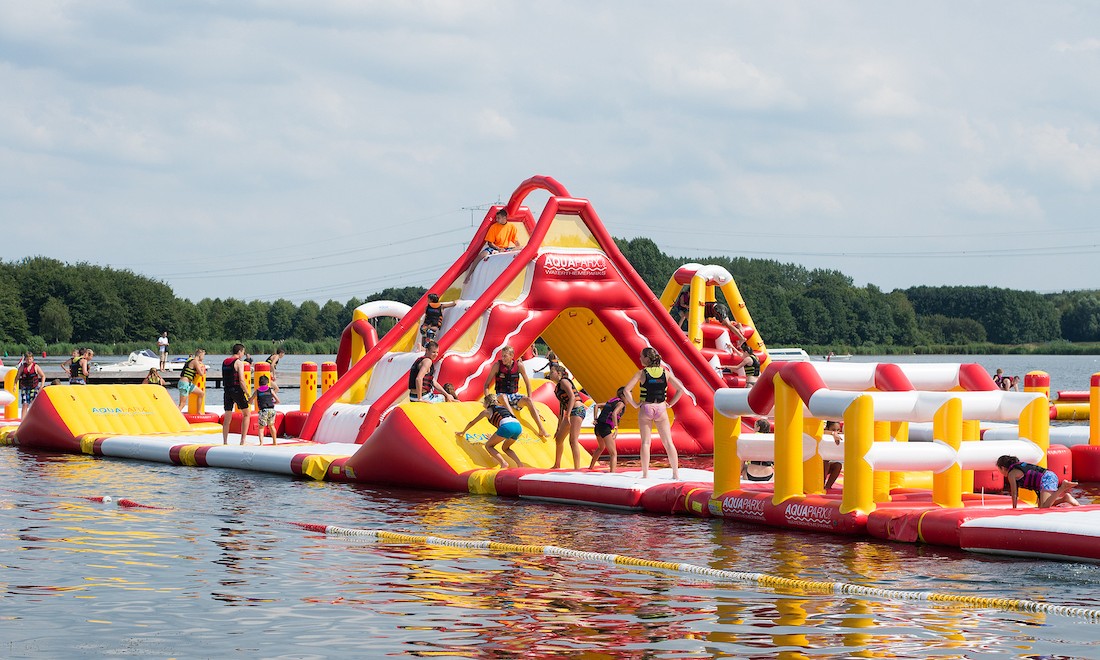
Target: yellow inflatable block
pixel 117 409
pixel 438 423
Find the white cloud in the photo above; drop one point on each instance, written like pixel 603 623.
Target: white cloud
pixel 717 75
pixel 993 199
pixel 1073 153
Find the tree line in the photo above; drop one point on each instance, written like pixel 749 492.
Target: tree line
pixel 47 302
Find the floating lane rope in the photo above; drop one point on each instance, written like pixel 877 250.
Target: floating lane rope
pixel 712 574
pixel 717 575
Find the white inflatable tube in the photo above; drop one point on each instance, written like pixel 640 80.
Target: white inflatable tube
pixel 909 457
pixel 984 455
pixel 376 308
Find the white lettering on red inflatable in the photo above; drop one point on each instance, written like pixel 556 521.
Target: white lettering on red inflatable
pixel 742 507
pixel 581 265
pixel 809 515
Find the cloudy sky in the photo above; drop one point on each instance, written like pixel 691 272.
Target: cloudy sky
pixel 326 149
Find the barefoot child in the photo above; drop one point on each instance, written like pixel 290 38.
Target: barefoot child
pixel 508 429
pixel 1037 479
pixel 267 397
pixel 607 427
pixel 571 414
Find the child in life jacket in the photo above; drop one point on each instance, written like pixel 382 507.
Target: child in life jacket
pixel 267 399
pixel 508 430
pixel 433 318
pixel 606 427
pixel 1037 479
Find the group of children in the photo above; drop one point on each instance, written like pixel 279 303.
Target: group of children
pixel 653 380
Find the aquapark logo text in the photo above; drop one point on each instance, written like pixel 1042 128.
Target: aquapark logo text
pixel 575 266
pixel 117 410
pixel 744 508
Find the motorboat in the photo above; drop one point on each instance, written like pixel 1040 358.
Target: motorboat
pixel 139 362
pixel 833 357
pixel 788 355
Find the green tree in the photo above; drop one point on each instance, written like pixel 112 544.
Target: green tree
pixel 241 321
pixel 13 320
pixel 332 320
pixel 54 322
pixel 1081 319
pixel 280 319
pixel 306 325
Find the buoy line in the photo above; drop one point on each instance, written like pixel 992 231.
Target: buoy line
pixel 711 574
pixel 714 574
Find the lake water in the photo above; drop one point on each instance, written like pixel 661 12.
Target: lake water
pixel 220 569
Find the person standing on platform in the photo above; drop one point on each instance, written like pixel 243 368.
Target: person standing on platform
pixel 162 348
pixel 78 367
pixel 267 398
pixel 235 384
pixel 30 378
pixel 606 427
pixel 832 468
pixel 570 415
pixel 654 379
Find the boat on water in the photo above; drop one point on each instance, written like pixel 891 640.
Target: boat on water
pixel 832 357
pixel 139 362
pixel 788 355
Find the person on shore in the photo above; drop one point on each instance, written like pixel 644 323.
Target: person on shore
pixel 162 348
pixel 654 379
pixel 508 430
pixel 606 427
pixel 433 319
pixel 273 360
pixel 1038 479
pixel 422 380
pixel 191 368
pixel 266 396
pixel 504 376
pixel 570 415
pixel 30 378
pixel 153 377
pixel 235 384
pixel 832 468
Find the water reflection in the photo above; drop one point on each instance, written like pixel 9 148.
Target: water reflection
pixel 219 569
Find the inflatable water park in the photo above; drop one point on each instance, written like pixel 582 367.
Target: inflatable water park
pixel 919 446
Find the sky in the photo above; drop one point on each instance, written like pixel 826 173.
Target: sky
pixel 328 149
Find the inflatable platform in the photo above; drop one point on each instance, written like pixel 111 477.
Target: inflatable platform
pixel 570 286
